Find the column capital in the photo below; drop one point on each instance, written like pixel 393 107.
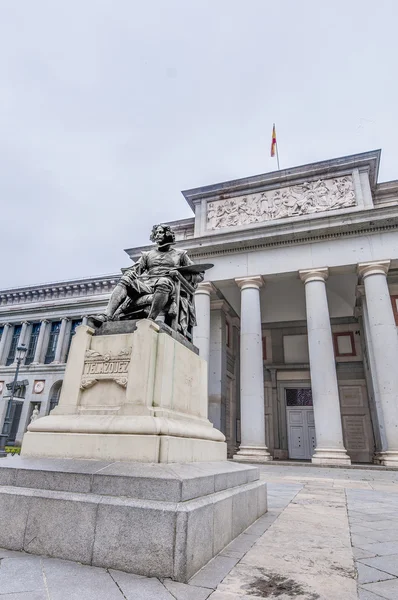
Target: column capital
pixel 255 282
pixel 25 322
pixel 205 287
pixel 376 267
pixel 45 321
pixel 307 275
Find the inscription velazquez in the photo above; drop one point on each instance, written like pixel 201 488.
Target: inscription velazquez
pixel 111 366
pixel 105 367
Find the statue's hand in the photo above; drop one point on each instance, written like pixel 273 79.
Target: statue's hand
pixel 174 274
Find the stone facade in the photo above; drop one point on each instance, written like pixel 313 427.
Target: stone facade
pixel 297 318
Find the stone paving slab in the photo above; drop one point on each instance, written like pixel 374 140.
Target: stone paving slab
pixel 306 553
pixel 389 563
pixel 301 548
pixel 370 575
pixel 375 515
pixel 384 589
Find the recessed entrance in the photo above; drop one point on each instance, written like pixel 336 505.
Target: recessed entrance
pixel 300 423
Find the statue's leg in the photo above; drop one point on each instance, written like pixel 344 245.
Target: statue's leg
pixel 163 289
pixel 160 299
pixel 117 298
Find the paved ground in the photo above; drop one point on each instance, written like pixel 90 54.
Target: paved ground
pixel 330 534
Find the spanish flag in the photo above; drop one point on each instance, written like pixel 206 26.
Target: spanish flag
pixel 273 143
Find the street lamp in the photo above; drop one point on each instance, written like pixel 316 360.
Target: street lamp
pixel 21 350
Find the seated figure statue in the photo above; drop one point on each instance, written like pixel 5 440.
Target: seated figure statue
pixel 155 288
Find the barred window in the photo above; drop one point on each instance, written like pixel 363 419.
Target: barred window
pixel 14 343
pixel 34 336
pixel 299 397
pixel 52 342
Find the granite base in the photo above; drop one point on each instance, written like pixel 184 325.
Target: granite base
pixel 156 520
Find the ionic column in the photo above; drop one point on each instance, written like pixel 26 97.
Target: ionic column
pixel 252 448
pixel 84 320
pixel 60 342
pixel 384 339
pixel 38 357
pixel 201 332
pixel 4 342
pixel 325 393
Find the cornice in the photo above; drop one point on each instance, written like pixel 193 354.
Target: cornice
pixel 57 294
pixel 33 369
pixel 73 308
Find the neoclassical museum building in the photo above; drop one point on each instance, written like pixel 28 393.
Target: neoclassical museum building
pixel 297 319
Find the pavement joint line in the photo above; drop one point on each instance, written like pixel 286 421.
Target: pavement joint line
pixel 374 593
pixel 167 590
pixel 45 579
pixel 117 585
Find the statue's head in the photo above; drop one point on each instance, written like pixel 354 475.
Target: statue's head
pixel 162 234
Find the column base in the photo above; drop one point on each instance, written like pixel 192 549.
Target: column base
pixel 387 459
pixel 330 456
pixel 253 454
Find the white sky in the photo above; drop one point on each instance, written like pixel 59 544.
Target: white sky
pixel 108 108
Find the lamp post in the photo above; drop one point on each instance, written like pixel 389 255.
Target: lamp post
pixel 21 350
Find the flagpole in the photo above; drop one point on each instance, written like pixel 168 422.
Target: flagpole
pixel 277 156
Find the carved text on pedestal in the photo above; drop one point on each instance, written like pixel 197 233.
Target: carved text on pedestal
pixel 107 366
pixel 296 200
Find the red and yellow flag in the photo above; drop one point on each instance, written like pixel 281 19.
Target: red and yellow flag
pixel 273 143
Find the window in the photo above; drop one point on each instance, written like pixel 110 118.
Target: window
pixel 344 344
pixel 34 336
pixel 299 397
pixel 52 342
pixel 14 343
pixel 74 326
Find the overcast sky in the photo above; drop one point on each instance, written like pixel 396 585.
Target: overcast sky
pixel 108 108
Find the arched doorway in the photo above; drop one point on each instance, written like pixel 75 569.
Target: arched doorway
pixel 54 395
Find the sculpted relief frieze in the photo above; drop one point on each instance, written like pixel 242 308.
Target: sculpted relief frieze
pixel 99 366
pixel 296 200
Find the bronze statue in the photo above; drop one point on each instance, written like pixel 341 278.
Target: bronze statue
pixel 159 286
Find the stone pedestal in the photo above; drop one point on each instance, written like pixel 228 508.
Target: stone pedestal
pixel 156 520
pixel 135 391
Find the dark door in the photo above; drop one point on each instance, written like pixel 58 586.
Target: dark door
pixel 15 418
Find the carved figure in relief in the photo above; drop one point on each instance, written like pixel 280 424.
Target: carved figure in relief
pixel 159 286
pixel 301 199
